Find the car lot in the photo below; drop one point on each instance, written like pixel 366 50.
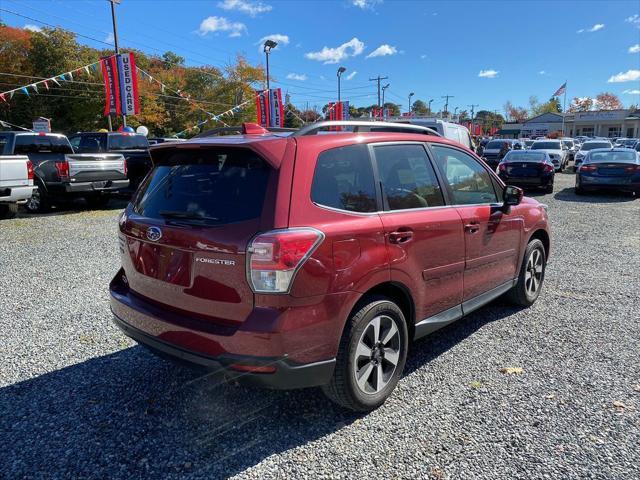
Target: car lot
pixel 77 398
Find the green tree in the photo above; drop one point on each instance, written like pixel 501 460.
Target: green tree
pixel 419 107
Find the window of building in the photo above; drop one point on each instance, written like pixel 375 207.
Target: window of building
pixel 630 132
pixel 407 176
pixel 343 179
pixel 587 131
pixel 615 132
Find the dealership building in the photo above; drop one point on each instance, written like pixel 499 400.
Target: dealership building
pixel 597 123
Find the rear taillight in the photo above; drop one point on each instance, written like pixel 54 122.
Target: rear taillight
pixel 587 168
pixel 548 168
pixel 275 257
pixel 63 170
pixel 502 167
pixel 126 167
pixel 29 170
pixel 632 169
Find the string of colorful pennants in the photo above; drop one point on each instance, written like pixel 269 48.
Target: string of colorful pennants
pixel 64 77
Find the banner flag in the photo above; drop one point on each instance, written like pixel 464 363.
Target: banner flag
pixel 35 87
pixel 262 107
pixel 24 89
pixel 345 111
pixel 111 88
pixel 561 90
pixel 87 70
pixel 70 76
pixel 53 79
pixel 276 113
pixel 2 97
pixel 46 84
pixel 130 102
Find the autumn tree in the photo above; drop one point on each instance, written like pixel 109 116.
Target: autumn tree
pixel 608 101
pixel 581 104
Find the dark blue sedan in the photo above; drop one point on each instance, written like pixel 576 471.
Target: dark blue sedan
pixel 616 169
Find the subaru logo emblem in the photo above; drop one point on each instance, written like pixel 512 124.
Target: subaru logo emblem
pixel 154 234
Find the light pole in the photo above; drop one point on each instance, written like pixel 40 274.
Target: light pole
pixel 268 46
pixel 455 111
pixel 384 87
pixel 430 112
pixel 341 70
pixel 410 95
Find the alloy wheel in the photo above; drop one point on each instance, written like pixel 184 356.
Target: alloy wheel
pixel 377 354
pixel 33 204
pixel 533 273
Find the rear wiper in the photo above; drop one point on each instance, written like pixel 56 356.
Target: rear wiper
pixel 187 215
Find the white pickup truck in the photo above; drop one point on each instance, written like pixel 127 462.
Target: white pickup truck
pixel 16 183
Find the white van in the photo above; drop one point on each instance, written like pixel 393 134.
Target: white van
pixel 449 130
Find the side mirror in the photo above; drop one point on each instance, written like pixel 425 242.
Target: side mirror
pixel 512 196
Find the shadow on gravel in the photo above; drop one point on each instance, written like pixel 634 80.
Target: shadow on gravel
pixel 603 196
pixel 132 415
pixel 77 206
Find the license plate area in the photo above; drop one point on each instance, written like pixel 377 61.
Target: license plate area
pixel 162 263
pixel 102 184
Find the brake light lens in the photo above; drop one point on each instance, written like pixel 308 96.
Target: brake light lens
pixel 632 168
pixel 587 168
pixel 548 168
pixel 275 257
pixel 29 170
pixel 502 167
pixel 126 167
pixel 63 170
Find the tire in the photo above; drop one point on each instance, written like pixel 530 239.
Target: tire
pixel 8 210
pixel 357 357
pixel 98 201
pixel 531 277
pixel 40 202
pixel 549 188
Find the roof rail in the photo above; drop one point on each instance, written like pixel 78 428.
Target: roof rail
pixel 361 126
pixel 238 129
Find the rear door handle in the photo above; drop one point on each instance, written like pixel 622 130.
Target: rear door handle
pixel 401 236
pixel 472 227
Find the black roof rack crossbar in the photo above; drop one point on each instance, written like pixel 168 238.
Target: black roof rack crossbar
pixel 363 126
pixel 238 129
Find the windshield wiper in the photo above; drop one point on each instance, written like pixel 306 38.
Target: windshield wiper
pixel 187 215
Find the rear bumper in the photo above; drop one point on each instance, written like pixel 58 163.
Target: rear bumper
pixel 528 181
pixel 298 354
pixel 96 187
pixel 286 375
pixel 15 194
pixel 631 184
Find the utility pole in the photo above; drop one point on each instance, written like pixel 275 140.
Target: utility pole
pixel 115 43
pixel 430 102
pixel 383 90
pixel 378 79
pixel 473 111
pixel 446 104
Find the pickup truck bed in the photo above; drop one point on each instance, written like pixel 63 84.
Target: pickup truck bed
pixel 16 183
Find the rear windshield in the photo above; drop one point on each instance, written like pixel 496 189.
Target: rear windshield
pixel 128 142
pixel 546 146
pixel 3 142
pixel 495 144
pixel 90 143
pixel 205 187
pixel 568 143
pixel 594 145
pixel 515 156
pixel 625 157
pixel 41 144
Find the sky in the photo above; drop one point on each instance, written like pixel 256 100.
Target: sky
pixel 479 52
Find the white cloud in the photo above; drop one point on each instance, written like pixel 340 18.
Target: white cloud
pixel 301 77
pixel 634 48
pixel 351 75
pixel 595 28
pixel 365 4
pixel 280 38
pixel 542 72
pixel 383 51
pixel 488 73
pixel 32 28
pixel 221 24
pixel 109 38
pixel 245 6
pixel 633 20
pixel 628 76
pixel 351 48
pixel 635 91
pixel 423 56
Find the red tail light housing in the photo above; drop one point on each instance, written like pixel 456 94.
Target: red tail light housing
pixel 63 170
pixel 29 170
pixel 126 167
pixel 548 168
pixel 632 169
pixel 587 168
pixel 274 258
pixel 502 167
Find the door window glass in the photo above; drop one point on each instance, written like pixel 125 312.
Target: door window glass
pixel 469 182
pixel 408 178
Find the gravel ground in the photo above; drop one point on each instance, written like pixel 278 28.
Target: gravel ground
pixel 78 399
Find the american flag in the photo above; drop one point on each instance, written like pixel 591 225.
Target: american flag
pixel 561 90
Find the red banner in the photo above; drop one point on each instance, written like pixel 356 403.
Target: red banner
pixel 276 112
pixel 111 86
pixel 262 107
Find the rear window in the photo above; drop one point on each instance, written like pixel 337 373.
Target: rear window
pixel 41 144
pixel 515 156
pixel 3 144
pixel 90 143
pixel 343 179
pixel 209 187
pixel 495 144
pixel 613 157
pixel 128 142
pixel 546 146
pixel 593 145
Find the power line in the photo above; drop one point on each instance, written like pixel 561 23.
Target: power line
pixel 446 103
pixel 378 79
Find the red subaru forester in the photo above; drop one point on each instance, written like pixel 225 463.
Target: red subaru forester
pixel 313 258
